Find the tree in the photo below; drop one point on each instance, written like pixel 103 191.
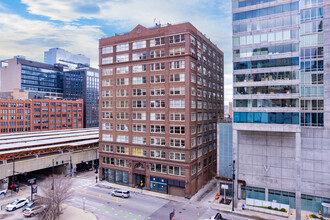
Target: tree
pixel 55 191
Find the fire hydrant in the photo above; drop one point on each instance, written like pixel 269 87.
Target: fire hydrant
pixel 217 196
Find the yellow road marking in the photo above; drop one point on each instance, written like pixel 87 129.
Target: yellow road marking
pixel 100 195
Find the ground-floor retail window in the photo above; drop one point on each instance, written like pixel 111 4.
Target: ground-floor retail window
pixel 115 176
pixel 159 184
pixel 252 192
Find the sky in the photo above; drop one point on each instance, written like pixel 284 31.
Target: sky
pixel 30 27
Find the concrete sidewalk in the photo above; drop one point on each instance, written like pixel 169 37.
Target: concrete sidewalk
pixel 74 213
pixel 111 186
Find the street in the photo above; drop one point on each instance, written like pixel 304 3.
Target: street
pixel 98 200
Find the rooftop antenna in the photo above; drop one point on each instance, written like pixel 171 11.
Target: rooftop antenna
pixel 155 21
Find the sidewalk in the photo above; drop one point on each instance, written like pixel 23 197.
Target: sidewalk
pixel 74 213
pixel 142 191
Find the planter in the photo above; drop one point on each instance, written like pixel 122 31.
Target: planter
pixel 267 211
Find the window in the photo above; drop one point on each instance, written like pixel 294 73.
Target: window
pixel 139 128
pixel 193 155
pixel 122 81
pixel 107 148
pixel 122 92
pixel 122 70
pixel 107 115
pixel 177 142
pixel 107 126
pixel 108 49
pixel 177 51
pixel 158 154
pixel 177 64
pixel 139 56
pixel 177 104
pixel 157 129
pixel 157 104
pixel 177 77
pixel 122 104
pixel 193 116
pixel 122 115
pixel 122 47
pixel 139 140
pixel 157 117
pixel 107 72
pixel 157 91
pixel 157 42
pixel 157 53
pixel 157 66
pixel 107 60
pixel 177 130
pixel 157 141
pixel 107 93
pixel 139 80
pixel 107 137
pixel 139 92
pixel 139 68
pixel 177 156
pixel 157 79
pixel 139 152
pixel 193 170
pixel 177 38
pixel 122 138
pixel 159 168
pixel 122 58
pixel 177 171
pixel 177 90
pixel 177 116
pixel 122 127
pixel 139 44
pixel 122 150
pixel 139 115
pixel 139 104
pixel 192 40
pixel 107 104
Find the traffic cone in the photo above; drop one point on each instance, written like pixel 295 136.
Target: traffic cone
pixel 217 196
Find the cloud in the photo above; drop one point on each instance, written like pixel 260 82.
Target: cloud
pixel 212 17
pixel 16 38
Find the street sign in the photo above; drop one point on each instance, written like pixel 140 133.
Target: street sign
pixel 223 186
pixel 34 188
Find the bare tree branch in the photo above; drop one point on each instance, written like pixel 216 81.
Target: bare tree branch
pixel 54 196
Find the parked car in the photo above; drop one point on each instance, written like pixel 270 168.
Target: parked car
pixel 29 212
pixel 218 216
pixel 18 203
pixel 3 192
pixel 120 193
pixel 29 205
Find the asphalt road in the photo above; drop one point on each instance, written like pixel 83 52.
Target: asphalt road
pixel 138 207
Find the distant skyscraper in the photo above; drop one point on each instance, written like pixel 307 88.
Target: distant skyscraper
pixel 83 83
pixel 69 60
pixel 281 101
pixel 43 79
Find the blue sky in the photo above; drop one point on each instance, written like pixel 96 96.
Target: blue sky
pixel 30 27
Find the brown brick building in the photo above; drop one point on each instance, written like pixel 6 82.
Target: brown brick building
pixel 40 115
pixel 161 95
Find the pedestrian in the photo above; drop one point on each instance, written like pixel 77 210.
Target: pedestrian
pixel 243 206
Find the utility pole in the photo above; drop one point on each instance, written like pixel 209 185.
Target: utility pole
pixel 13 182
pixel 53 184
pixel 233 205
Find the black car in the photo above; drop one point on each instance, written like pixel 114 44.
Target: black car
pixel 218 216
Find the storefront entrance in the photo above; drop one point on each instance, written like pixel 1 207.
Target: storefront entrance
pixel 139 180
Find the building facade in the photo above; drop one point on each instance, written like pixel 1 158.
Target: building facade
pixel 161 95
pixel 44 79
pixel 83 83
pixel 40 115
pixel 69 60
pixel 281 101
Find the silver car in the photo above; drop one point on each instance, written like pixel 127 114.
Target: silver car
pixel 120 193
pixel 18 203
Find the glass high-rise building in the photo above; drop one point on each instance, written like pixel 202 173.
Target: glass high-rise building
pixel 281 55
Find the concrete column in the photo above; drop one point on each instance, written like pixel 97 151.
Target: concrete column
pixel 235 157
pixel 298 175
pixel 266 194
